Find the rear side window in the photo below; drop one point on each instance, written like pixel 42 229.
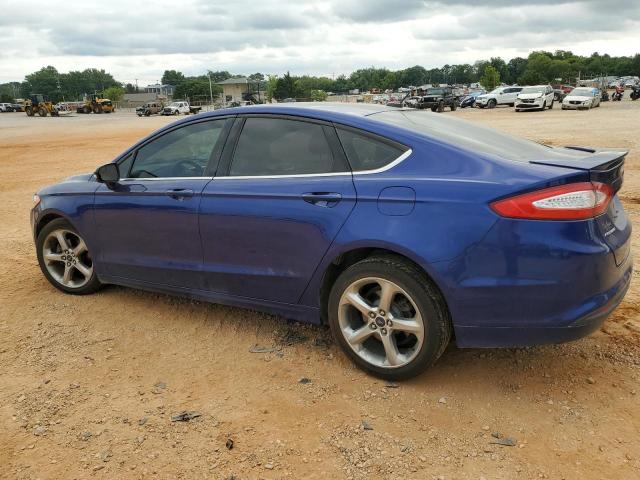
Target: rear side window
pixel 367 153
pixel 275 146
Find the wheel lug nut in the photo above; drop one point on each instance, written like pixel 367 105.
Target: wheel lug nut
pixel 389 323
pixel 382 312
pixel 373 326
pixel 383 331
pixel 372 314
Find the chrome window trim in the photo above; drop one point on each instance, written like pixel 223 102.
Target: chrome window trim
pixel 155 179
pixel 389 166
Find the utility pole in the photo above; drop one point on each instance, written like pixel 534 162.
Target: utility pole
pixel 136 85
pixel 210 89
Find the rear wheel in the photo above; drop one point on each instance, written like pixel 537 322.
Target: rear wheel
pixel 29 111
pixel 441 106
pixel 42 112
pixel 453 106
pixel 65 259
pixel 86 109
pixel 388 317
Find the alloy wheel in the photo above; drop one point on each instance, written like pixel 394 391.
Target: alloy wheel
pixel 66 258
pixel 381 322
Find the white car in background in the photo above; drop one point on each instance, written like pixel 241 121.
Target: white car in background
pixel 537 97
pixel 581 98
pixel 498 96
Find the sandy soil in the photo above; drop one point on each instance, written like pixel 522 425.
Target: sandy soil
pixel 88 385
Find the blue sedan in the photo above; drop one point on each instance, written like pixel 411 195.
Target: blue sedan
pixel 400 229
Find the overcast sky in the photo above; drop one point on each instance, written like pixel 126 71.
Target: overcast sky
pixel 140 39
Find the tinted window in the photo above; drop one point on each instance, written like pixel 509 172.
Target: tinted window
pixel 184 152
pixel 366 153
pixel 271 146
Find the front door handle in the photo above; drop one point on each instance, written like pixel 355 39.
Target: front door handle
pixel 322 199
pixel 179 193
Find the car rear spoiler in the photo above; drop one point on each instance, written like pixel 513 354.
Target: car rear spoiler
pixel 606 166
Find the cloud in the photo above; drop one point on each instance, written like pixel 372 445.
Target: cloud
pixel 141 39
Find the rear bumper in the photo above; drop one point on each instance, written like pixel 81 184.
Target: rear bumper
pixel 536 282
pixel 489 337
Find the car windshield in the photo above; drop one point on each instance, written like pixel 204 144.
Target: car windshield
pixel 434 91
pixel 497 90
pixel 175 104
pixel 533 90
pixel 582 92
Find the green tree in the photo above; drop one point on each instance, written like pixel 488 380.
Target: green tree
pixel 196 88
pixel 114 94
pixel 490 78
pixel 172 77
pixel 318 95
pixel 272 85
pixel 286 87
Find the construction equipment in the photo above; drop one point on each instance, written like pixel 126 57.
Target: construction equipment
pixel 93 103
pixel 40 104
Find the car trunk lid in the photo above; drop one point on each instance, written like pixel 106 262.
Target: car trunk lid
pixel 604 166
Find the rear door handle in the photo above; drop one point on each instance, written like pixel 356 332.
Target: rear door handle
pixel 179 193
pixel 322 199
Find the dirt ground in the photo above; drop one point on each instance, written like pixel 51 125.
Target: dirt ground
pixel 88 385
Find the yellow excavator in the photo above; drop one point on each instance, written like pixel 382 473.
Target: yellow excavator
pixel 95 104
pixel 40 104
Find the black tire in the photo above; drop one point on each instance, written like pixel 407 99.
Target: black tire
pixel 544 105
pixel 551 106
pixel 453 106
pixel 147 113
pixel 427 298
pixel 29 111
pixel 440 106
pixel 86 109
pixel 42 112
pixel 433 109
pixel 492 104
pixel 90 287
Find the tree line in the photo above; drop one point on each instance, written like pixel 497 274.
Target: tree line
pixel 538 68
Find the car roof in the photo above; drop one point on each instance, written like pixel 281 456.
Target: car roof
pixel 313 108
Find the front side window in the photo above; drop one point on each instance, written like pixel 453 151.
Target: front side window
pixel 275 146
pixel 183 152
pixel 367 153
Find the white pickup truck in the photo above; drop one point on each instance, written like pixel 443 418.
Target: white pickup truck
pixel 176 108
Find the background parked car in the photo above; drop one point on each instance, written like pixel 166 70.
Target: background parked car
pixel 149 108
pixel 18 107
pixel 498 96
pixel 582 98
pixel 536 97
pixel 6 107
pixel 469 99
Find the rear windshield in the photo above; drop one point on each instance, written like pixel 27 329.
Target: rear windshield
pixel 470 136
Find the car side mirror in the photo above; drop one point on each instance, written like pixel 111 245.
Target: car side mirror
pixel 108 174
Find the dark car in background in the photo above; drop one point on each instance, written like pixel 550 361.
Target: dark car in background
pixel 469 99
pixel 438 98
pixel 396 228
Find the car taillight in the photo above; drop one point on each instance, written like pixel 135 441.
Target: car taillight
pixel 574 201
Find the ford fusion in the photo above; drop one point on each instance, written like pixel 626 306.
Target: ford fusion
pixel 399 229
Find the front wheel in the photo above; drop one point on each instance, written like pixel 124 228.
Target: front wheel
pixel 388 317
pixel 454 106
pixel 551 106
pixel 492 104
pixel 65 259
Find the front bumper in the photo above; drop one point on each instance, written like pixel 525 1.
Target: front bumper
pixel 528 105
pixel 575 106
